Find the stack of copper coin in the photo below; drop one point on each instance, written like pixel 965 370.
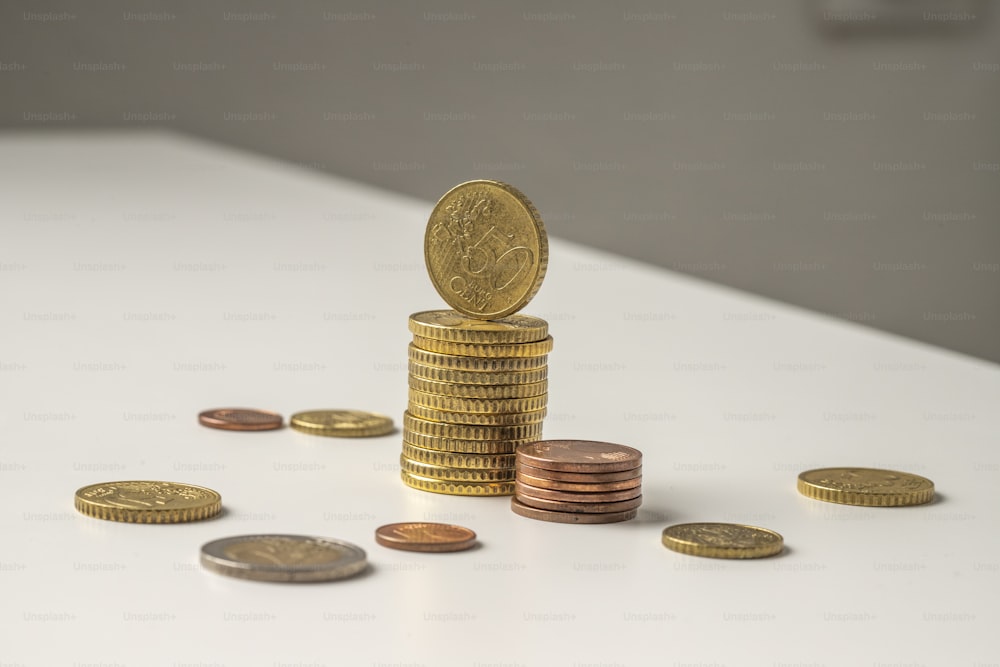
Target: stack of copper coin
pixel 478 389
pixel 577 481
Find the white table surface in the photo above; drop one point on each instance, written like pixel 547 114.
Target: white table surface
pixel 145 277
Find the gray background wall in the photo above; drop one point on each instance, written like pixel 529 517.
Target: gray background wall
pixel 849 166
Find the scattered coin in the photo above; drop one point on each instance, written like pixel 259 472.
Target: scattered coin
pixel 453 326
pixel 342 423
pixel 147 502
pixel 425 537
pixel 868 487
pixel 570 517
pixel 283 558
pixel 486 249
pixel 722 540
pixel 579 456
pixel 240 419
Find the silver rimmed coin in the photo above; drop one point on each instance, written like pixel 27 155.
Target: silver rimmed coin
pixel 297 558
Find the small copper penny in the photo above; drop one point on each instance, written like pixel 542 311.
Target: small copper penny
pixel 580 487
pixel 240 419
pixel 584 477
pixel 425 537
pixel 579 456
pixel 522 489
pixel 586 508
pixel 570 517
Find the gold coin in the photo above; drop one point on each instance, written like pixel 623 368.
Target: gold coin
pixel 147 502
pixel 461 434
pixel 477 364
pixel 868 487
pixel 453 326
pixel 457 460
pixel 458 445
pixel 478 390
pixel 457 488
pixel 342 423
pixel 449 474
pixel 539 348
pixel 490 405
pixel 722 540
pixel 455 376
pixel 477 418
pixel 486 249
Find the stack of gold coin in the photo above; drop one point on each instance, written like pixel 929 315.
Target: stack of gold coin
pixel 478 389
pixel 478 373
pixel 577 481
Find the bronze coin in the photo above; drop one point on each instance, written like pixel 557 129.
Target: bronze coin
pixel 582 477
pixel 425 537
pixel 522 489
pixel 570 517
pixel 579 456
pixel 580 487
pixel 240 419
pixel 586 508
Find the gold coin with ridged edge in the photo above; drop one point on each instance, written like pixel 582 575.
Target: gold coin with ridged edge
pixel 147 502
pixel 457 460
pixel 467 433
pixel 866 487
pixel 486 249
pixel 518 350
pixel 452 325
pixel 478 390
pixel 460 446
pixel 342 423
pixel 459 377
pixel 457 488
pixel 490 405
pixel 449 474
pixel 475 364
pixel 477 418
pixel 722 540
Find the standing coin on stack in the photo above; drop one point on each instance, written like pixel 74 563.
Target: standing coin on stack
pixel 478 374
pixel 577 481
pixel 486 249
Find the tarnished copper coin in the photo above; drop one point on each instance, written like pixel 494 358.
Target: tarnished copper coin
pixel 584 508
pixel 425 537
pixel 585 477
pixel 579 456
pixel 570 517
pixel 240 419
pixel 522 489
pixel 579 487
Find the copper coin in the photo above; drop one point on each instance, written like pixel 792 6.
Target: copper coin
pixel 569 517
pixel 240 419
pixel 425 537
pixel 586 508
pixel 522 489
pixel 580 487
pixel 579 456
pixel 581 477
